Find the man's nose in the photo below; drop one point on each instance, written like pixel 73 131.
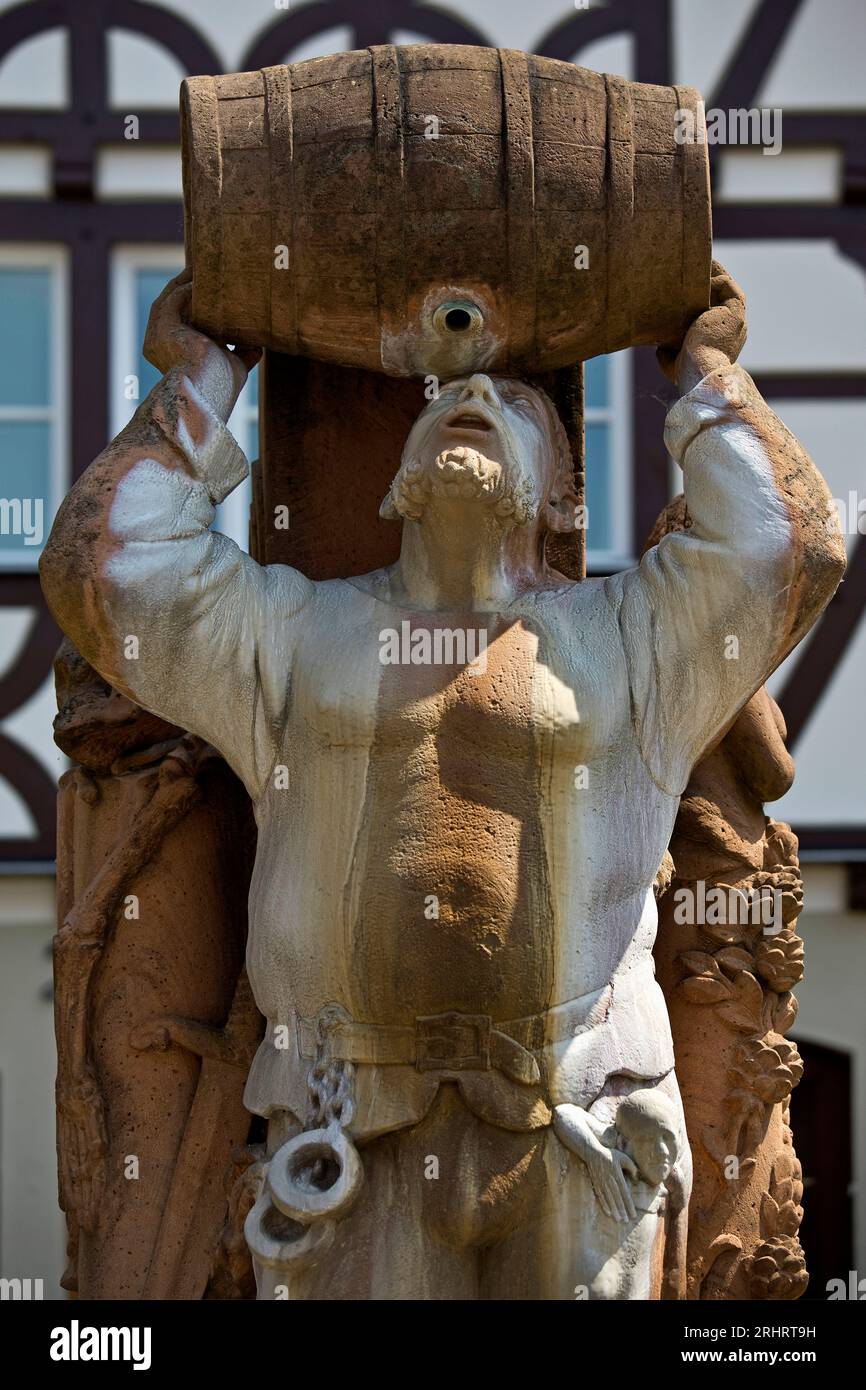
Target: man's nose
pixel 480 387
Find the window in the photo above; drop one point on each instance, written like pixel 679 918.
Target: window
pixel 139 274
pixel 607 421
pixel 33 457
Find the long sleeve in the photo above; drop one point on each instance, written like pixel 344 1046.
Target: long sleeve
pixel 712 610
pixel 171 613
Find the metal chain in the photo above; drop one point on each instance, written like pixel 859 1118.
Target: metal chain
pixel 330 1082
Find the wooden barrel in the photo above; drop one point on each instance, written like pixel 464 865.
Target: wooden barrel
pixel 443 208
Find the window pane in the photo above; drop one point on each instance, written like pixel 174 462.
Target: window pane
pixel 251 445
pixel 25 492
pixel 25 341
pixel 596 375
pixel 233 515
pixel 244 419
pixel 149 284
pixel 598 500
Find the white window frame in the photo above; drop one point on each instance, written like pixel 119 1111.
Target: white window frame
pixel 126 261
pixel 125 348
pixel 617 416
pixel 55 258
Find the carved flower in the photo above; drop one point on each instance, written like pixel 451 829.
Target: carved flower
pixel 770 1071
pixel 781 845
pixel 787 1179
pixel 789 1057
pixel 781 1212
pixel 778 1269
pixel 779 960
pixel 786 885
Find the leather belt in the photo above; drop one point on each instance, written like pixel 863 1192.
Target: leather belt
pixel 455 1041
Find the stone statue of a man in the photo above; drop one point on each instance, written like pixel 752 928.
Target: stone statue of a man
pixel 465 771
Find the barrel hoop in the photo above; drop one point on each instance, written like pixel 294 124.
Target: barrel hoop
pixel 696 206
pixel 620 210
pixel 205 237
pixel 283 306
pixel 390 191
pixel 520 203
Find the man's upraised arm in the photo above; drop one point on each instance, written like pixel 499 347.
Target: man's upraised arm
pixel 171 613
pixel 713 609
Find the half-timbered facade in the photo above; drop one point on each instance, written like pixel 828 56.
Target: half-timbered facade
pixel 91 227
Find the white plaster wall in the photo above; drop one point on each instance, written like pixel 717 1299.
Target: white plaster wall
pixel 822 60
pixel 805 303
pixel 791 176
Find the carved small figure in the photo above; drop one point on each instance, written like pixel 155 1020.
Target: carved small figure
pixel 640 1169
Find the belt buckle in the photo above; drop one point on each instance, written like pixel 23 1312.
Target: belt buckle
pixel 452 1042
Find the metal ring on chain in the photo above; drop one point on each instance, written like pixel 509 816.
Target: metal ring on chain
pixel 276 1250
pixel 297 1193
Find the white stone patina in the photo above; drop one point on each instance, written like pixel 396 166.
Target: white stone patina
pixel 424 846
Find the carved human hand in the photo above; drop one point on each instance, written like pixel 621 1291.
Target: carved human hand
pixel 609 1169
pixel 714 339
pixel 171 341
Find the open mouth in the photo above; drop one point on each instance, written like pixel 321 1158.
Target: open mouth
pixel 469 421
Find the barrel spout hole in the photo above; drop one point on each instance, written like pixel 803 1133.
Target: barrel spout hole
pixel 458 316
pixel 458 320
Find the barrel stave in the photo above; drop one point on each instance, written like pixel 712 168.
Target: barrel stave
pixel 333 67
pixel 568 104
pixel 449 58
pixel 572 303
pixel 455 172
pixel 233 86
pixel 338 111
pixel 334 179
pixel 463 102
pixel 531 158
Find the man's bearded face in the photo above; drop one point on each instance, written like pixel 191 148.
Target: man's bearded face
pixel 484 441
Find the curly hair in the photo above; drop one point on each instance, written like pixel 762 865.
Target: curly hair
pixel 564 477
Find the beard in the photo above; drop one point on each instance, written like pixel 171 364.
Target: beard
pixel 462 472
